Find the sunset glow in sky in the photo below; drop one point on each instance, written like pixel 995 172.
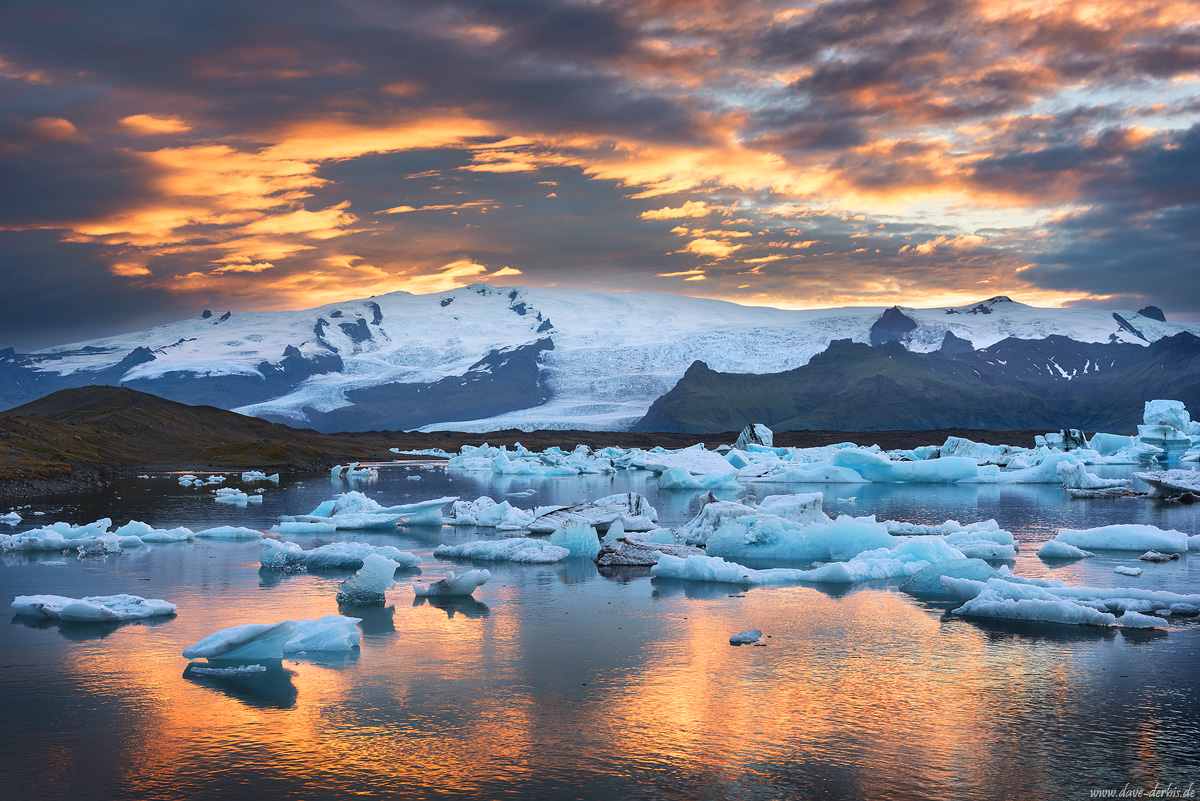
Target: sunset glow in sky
pixel 161 158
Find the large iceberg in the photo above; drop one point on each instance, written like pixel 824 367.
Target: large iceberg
pixel 274 640
pixel 92 609
pixel 487 513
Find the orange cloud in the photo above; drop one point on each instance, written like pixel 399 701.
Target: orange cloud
pixel 148 125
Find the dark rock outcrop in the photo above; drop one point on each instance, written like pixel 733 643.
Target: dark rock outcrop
pixel 892 325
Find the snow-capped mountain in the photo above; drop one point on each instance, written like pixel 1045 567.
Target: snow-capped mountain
pixel 484 358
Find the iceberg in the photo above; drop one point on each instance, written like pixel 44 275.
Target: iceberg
pixel 629 552
pixel 92 609
pixel 1136 620
pixel 1166 483
pixel 257 475
pixel 453 585
pixel 927 583
pixel 1074 476
pixel 369 586
pixel 680 478
pixel 634 510
pixel 755 434
pixel 1056 549
pixel 487 513
pixel 519 549
pixel 230 533
pixel 289 556
pixel 274 640
pixel 11 518
pixel 146 533
pixel 1126 537
pixel 1127 571
pixel 746 637
pixel 354 510
pixel 578 538
pixel 999 598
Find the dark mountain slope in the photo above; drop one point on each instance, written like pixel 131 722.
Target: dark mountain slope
pixel 1048 384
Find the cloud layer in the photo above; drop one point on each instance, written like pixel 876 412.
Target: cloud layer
pixel 163 158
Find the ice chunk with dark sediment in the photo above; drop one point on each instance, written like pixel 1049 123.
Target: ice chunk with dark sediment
pixel 630 552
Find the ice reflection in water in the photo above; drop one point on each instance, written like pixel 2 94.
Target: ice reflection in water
pixel 557 682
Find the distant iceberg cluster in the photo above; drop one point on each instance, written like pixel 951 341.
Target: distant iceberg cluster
pixel 1168 434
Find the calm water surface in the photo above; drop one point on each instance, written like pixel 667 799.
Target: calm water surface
pixel 559 682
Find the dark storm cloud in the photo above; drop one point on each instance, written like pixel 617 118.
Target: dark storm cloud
pixel 216 152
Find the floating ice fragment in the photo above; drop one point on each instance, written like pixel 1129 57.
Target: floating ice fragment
pixel 92 609
pixel 1057 549
pixel 1127 571
pixel 368 587
pixel 518 549
pixel 745 637
pixel 465 584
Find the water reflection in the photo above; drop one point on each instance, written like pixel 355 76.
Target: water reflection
pixel 465 606
pixel 80 631
pixel 270 689
pixel 559 681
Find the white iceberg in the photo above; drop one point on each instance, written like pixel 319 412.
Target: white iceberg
pixel 10 518
pixel 354 510
pixel 146 533
pixel 92 609
pixel 289 556
pixel 1165 483
pixel 230 533
pixel 1127 571
pixel 518 549
pixel 634 510
pixel 1125 537
pixel 453 585
pixel 1057 549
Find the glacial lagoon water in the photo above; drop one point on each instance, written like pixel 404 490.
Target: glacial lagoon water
pixel 558 682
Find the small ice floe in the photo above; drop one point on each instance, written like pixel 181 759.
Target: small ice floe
pixel 746 637
pixel 521 494
pixel 1056 549
pixel 681 478
pixel 1185 610
pixel 188 480
pixel 369 586
pixel 89 539
pixel 257 475
pixel 517 549
pixel 11 518
pixel 274 640
pixel 143 476
pixel 299 527
pixel 290 557
pixel 147 533
pixel 230 533
pixel 215 479
pixel 452 584
pixel 413 478
pixel 236 670
pixel 1155 556
pixel 1127 571
pixel 92 609
pixel 235 496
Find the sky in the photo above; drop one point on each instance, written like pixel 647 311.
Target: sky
pixel 157 159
